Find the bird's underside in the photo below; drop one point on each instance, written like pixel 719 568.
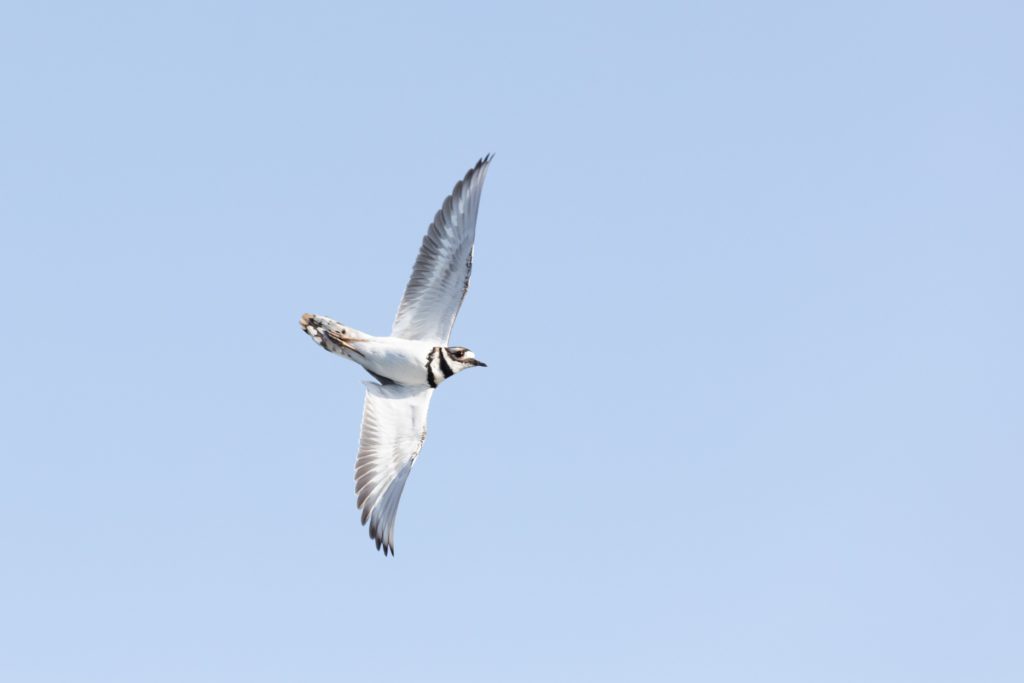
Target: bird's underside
pixel 412 361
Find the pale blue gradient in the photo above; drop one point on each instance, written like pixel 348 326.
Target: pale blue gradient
pixel 749 281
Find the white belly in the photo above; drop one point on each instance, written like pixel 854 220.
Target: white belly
pixel 401 360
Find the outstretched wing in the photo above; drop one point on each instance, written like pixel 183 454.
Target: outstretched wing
pixel 394 427
pixel 440 276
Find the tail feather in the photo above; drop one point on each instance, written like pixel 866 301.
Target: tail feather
pixel 330 334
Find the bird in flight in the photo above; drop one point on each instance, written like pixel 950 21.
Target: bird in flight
pixel 413 360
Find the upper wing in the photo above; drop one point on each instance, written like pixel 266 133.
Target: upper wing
pixel 394 427
pixel 440 276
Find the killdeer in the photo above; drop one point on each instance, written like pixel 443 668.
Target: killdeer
pixel 413 360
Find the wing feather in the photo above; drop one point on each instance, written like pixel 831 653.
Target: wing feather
pixel 440 276
pixel 394 427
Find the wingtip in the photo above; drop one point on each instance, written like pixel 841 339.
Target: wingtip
pixel 479 169
pixel 481 163
pixel 384 546
pixel 378 539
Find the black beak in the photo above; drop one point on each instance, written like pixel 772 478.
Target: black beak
pixel 474 361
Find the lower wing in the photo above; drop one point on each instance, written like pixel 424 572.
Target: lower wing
pixel 394 427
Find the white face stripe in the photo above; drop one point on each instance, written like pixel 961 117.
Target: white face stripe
pixel 442 363
pixel 446 364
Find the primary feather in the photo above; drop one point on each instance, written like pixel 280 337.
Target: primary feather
pixel 394 427
pixel 440 276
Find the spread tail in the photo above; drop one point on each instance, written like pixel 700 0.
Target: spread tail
pixel 330 334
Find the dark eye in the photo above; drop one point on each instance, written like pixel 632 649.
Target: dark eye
pixel 459 353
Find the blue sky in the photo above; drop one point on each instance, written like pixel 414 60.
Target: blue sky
pixel 748 282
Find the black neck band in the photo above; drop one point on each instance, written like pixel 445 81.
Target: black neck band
pixel 430 368
pixel 445 368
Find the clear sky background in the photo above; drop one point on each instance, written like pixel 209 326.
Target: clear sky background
pixel 748 279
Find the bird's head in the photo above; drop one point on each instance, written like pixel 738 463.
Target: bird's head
pixel 460 358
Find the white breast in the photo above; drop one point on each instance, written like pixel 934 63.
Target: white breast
pixel 401 360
